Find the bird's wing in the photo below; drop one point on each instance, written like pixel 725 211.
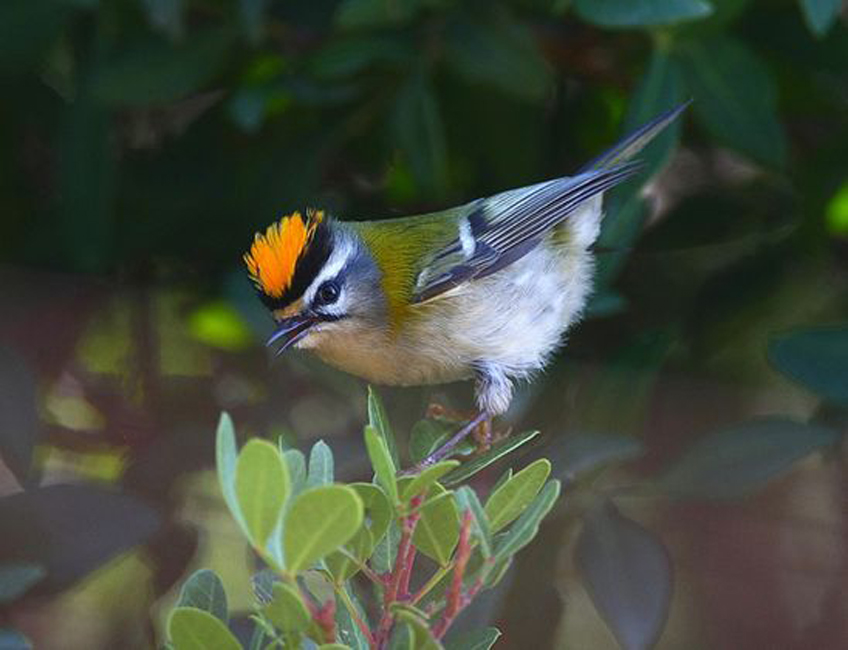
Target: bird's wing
pixel 500 230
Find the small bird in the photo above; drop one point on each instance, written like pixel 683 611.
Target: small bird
pixel 484 291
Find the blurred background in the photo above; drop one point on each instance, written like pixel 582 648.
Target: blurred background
pixel 143 142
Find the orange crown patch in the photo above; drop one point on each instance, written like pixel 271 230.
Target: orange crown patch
pixel 273 257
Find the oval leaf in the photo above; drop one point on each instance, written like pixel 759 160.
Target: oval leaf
pixel 640 13
pixel 522 532
pixel 378 419
pixel 320 520
pixel 509 501
pixel 226 455
pixel 287 610
pixel 422 483
pixel 735 96
pixel 320 465
pixel 736 461
pixel 627 572
pixel 495 453
pixel 467 499
pixel 816 358
pixel 262 486
pixel 376 519
pixel 382 463
pixel 204 590
pixel 194 629
pixel 437 532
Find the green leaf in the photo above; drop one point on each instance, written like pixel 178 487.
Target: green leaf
pixel 320 465
pixel 525 528
pixel 737 461
pixel 494 454
pixel 385 552
pixel 820 15
pixel 419 133
pixel 204 590
pixel 627 572
pixel 347 56
pixel 165 16
pixel 193 629
pixel 296 463
pixel 262 487
pixel 581 453
pixel 381 461
pixel 426 436
pixel 403 637
pixel 499 52
pixel 509 501
pixel 151 72
pixel 467 499
pixel 333 646
pixel 377 516
pixel 287 610
pixel 437 532
pixel 422 483
pixel 225 453
pixel 423 637
pixel 640 13
pixel 347 630
pixel 17 579
pixel 816 358
pixel 735 96
pixel 482 639
pixel 376 13
pixel 319 521
pixel 379 419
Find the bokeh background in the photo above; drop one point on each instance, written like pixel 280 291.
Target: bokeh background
pixel 143 142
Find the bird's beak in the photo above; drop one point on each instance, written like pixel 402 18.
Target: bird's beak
pixel 291 330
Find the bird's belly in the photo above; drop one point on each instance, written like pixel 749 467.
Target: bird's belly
pixel 513 319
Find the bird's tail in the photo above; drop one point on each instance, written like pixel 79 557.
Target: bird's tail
pixel 635 142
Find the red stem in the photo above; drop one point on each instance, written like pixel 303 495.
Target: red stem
pixel 396 579
pixel 456 602
pixel 403 590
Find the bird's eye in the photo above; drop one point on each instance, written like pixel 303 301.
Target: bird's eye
pixel 328 293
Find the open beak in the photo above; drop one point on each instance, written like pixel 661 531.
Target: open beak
pixel 291 330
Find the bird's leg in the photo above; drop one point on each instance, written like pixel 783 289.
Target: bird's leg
pixel 484 434
pixel 442 452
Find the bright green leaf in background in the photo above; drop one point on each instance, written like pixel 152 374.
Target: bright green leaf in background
pixel 319 521
pixel 218 324
pixel 509 501
pixel 287 610
pixel 816 358
pixel 204 590
pixel 262 487
pixel 627 572
pixel 437 532
pixel 640 13
pixel 836 214
pixel 820 15
pixel 735 96
pixel 739 460
pixel 193 629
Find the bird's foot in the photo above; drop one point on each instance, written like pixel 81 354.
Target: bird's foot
pixel 448 447
pixel 483 434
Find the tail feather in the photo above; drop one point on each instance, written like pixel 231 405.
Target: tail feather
pixel 635 142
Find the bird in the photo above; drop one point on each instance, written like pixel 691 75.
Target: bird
pixel 483 291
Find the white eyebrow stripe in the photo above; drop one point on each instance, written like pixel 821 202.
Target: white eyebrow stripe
pixel 343 250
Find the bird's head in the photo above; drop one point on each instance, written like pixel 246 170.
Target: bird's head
pixel 316 277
